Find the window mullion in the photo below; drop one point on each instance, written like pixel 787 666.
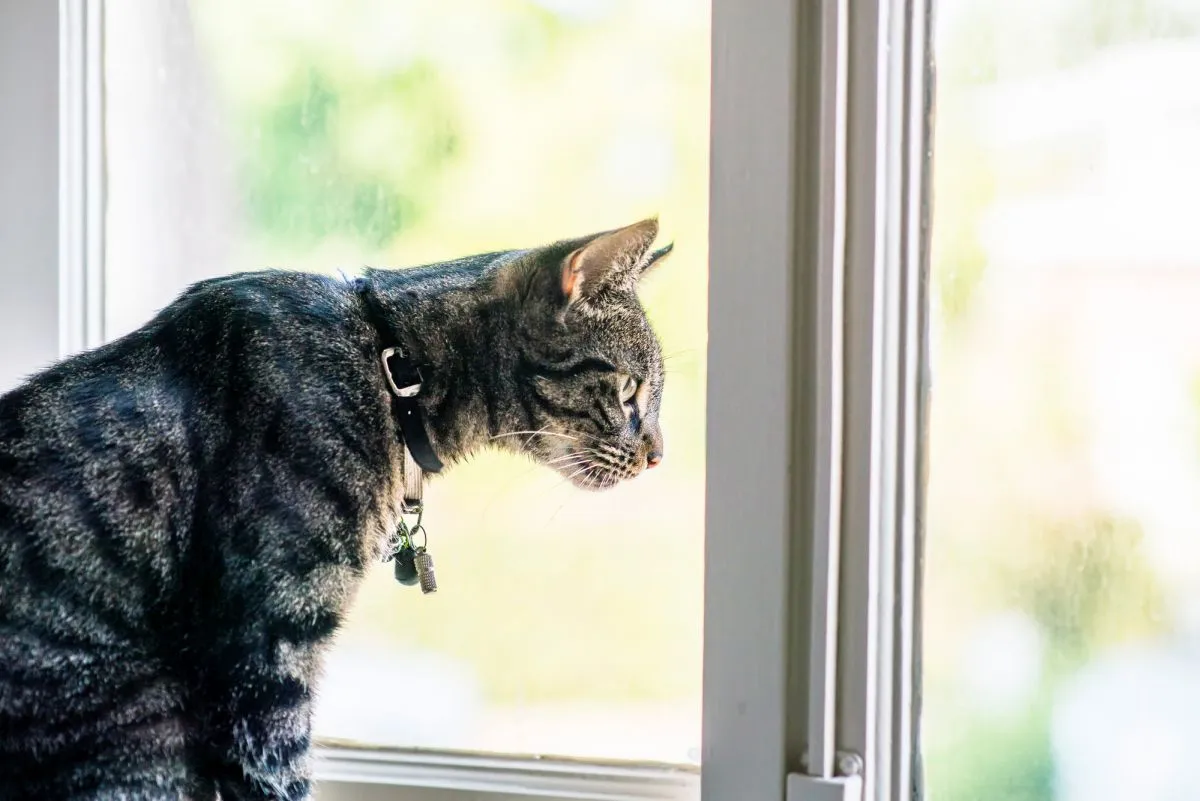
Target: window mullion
pixel 762 463
pixel 825 391
pixel 885 352
pixel 81 176
pixel 913 267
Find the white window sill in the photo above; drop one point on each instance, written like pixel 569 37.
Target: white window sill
pixel 412 774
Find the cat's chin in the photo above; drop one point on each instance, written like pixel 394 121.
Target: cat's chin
pixel 594 480
pixel 598 481
pixel 598 484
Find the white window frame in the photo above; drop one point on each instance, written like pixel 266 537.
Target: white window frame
pixel 815 364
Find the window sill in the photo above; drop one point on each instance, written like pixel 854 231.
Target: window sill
pixel 486 774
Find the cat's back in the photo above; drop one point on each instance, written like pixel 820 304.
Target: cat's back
pixel 94 483
pixel 103 456
pixel 105 461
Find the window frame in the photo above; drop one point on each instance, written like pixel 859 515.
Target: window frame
pixel 819 224
pixel 29 212
pixel 831 253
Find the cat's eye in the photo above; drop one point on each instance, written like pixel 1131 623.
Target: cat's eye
pixel 628 390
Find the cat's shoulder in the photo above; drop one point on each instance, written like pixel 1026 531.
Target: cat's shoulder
pixel 272 298
pixel 265 290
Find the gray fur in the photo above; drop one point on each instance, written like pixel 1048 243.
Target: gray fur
pixel 186 512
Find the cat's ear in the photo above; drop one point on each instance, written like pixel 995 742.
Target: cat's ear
pixel 612 260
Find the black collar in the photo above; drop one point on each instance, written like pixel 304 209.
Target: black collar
pixel 404 379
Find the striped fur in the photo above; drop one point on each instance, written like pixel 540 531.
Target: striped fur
pixel 185 513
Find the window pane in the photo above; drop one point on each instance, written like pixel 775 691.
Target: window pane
pixel 326 135
pixel 1063 571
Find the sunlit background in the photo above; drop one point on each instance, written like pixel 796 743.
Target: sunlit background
pixel 1062 653
pixel 328 135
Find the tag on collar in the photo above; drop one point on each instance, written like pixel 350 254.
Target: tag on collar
pixel 414 484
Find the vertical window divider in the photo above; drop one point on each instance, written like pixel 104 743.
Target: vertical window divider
pixel 885 335
pixel 826 383
pixel 81 175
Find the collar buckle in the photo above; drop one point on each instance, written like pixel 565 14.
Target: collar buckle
pixel 409 385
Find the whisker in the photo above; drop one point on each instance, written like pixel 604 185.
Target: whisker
pixel 583 469
pixel 592 437
pixel 551 518
pixel 565 479
pixel 534 434
pixel 528 442
pixel 525 446
pixel 559 463
pixel 561 468
pixel 569 456
pixel 593 476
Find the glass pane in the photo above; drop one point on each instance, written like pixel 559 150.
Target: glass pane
pixel 326 135
pixel 1062 652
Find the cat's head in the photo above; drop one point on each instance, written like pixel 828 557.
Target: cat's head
pixel 588 375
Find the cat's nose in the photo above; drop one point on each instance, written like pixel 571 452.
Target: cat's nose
pixel 653 442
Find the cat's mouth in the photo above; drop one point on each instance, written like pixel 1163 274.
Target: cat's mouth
pixel 596 470
pixel 595 466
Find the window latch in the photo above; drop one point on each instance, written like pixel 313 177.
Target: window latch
pixel 846 786
pixel 815 788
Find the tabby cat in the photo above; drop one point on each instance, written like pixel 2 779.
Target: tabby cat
pixel 186 512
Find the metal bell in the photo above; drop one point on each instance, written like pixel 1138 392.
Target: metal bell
pixel 424 565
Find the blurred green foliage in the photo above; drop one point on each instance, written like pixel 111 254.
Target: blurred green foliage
pixel 302 181
pixel 989 760
pixel 1089 590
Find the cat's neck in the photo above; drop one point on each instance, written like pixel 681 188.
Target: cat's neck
pixel 436 323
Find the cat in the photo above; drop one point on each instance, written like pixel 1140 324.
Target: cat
pixel 186 512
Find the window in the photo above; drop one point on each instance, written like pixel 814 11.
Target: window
pixel 131 205
pixel 329 135
pixel 1021 628
pixel 1064 543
